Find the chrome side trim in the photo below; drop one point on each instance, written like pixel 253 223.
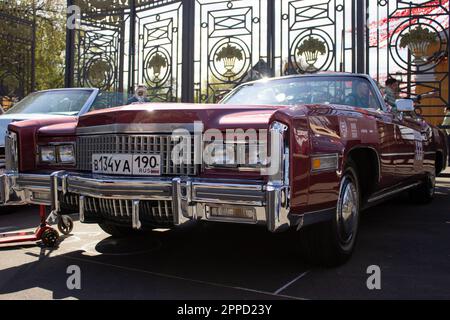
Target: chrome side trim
pixel 391 193
pixel 397 154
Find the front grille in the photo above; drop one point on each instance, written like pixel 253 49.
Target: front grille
pixel 156 213
pixel 134 144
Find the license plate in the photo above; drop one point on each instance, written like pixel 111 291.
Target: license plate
pixel 127 164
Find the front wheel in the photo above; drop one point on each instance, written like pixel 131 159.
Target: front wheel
pixel 332 243
pixel 424 193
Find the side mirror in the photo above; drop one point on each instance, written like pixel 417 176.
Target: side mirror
pixel 404 105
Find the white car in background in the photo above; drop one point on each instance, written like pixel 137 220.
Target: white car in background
pixel 55 103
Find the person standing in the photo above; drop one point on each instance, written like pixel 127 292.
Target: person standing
pixel 446 125
pixel 360 96
pixel 140 95
pixel 391 93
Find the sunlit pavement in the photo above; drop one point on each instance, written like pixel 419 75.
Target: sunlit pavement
pixel 410 244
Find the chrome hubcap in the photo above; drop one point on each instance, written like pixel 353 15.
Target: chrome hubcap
pixel 348 213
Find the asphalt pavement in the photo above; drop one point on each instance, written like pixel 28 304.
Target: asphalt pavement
pixel 410 245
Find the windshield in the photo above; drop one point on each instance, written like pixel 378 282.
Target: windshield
pixel 345 90
pixel 58 102
pixel 105 100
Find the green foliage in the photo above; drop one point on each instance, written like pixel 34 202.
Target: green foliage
pixel 50 21
pixel 311 45
pixel 50 45
pixel 229 52
pixel 417 35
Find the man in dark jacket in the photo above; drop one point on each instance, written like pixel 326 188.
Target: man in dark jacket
pixel 140 95
pixel 360 96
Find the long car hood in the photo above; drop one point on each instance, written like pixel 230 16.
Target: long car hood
pixel 213 116
pixel 6 119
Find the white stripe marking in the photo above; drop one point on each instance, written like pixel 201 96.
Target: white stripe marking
pixel 291 282
pixel 181 278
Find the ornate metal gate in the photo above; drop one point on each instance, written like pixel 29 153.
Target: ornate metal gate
pixel 408 40
pixel 197 50
pixel 323 24
pixel 231 45
pixel 159 40
pixel 17 36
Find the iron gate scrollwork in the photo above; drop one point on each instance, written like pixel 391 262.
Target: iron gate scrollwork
pixel 231 45
pixel 158 53
pixel 314 35
pixel 121 43
pixel 100 45
pixel 197 50
pixel 408 40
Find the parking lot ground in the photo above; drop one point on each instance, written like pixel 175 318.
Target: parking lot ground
pixel 410 244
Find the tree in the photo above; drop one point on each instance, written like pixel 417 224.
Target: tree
pixel 50 44
pixel 50 20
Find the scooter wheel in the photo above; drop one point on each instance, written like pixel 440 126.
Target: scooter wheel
pixel 50 237
pixel 65 225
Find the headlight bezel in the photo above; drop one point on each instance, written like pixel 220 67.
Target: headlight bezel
pixel 251 162
pixel 11 151
pixel 58 158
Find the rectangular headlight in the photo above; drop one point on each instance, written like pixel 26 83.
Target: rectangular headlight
pixel 47 154
pixel 65 153
pixel 240 155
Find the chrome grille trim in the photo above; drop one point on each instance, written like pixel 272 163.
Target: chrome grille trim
pixel 156 211
pixel 134 144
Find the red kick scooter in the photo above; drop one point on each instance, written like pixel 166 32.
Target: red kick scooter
pixel 48 235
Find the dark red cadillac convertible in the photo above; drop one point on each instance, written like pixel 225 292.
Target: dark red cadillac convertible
pixel 304 153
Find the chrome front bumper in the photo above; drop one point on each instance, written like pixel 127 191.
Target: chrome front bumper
pixel 191 198
pixel 21 189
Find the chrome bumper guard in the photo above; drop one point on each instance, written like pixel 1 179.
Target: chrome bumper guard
pixel 191 198
pixel 21 189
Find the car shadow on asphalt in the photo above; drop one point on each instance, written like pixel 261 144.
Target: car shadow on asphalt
pixel 195 261
pixel 220 261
